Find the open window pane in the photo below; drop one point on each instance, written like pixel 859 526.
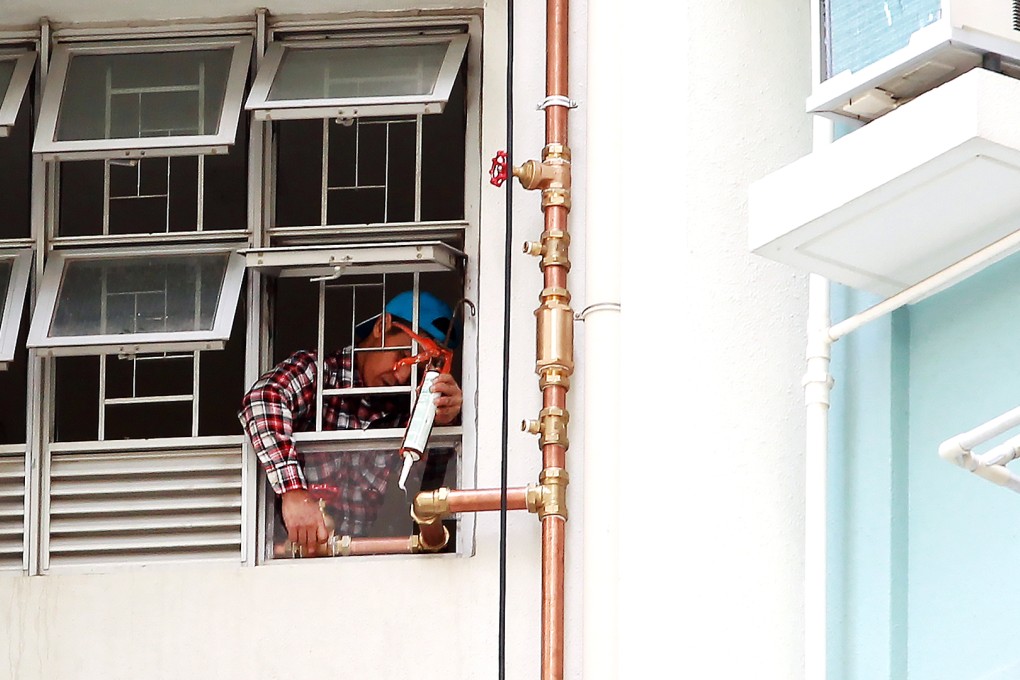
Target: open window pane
pixel 369 472
pixel 15 72
pixel 126 303
pixel 351 79
pixel 362 258
pixel 14 271
pixel 152 98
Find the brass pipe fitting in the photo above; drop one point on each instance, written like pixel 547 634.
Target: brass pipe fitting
pixel 428 506
pixel 555 335
pixel 553 377
pixel 551 426
pixel 422 544
pixel 553 248
pixel 552 175
pixel 549 496
pixel 427 511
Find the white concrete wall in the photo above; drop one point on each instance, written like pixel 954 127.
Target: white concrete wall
pixel 381 617
pixel 713 457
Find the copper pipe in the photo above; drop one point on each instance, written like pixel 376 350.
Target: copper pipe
pixel 433 536
pixel 556 24
pixel 480 500
pixel 395 545
pixel 553 540
pixel 555 395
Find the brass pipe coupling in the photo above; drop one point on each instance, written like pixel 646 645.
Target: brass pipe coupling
pixel 551 427
pixel 552 175
pixel 555 338
pixel 549 496
pixel 553 249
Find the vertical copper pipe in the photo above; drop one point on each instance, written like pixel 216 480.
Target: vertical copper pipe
pixel 555 276
pixel 553 540
pixel 556 23
pixel 433 535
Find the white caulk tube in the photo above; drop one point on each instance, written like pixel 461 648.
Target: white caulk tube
pixel 419 427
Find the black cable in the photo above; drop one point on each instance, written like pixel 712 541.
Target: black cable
pixel 508 244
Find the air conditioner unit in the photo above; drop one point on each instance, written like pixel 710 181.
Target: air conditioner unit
pixel 951 38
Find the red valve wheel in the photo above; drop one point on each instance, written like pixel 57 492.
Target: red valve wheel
pixel 498 172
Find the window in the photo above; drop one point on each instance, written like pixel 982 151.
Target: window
pixel 14 270
pixel 129 302
pixel 344 182
pixel 16 255
pixel 132 99
pixel 139 315
pixel 15 74
pixel 368 201
pixel 353 78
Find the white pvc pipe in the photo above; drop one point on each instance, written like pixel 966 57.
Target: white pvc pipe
pixel 601 329
pixel 817 386
pixel 992 464
pixel 929 285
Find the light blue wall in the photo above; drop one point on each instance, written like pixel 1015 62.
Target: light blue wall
pixel 861 32
pixel 924 553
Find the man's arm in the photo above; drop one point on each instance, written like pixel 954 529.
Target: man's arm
pixel 267 414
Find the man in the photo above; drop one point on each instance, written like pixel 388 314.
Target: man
pixel 283 401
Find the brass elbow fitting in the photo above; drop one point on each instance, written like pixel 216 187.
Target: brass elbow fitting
pixel 431 506
pixel 549 496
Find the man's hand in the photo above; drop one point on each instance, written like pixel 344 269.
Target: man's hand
pixel 450 399
pixel 304 522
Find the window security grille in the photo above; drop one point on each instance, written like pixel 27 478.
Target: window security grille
pixel 143 506
pixel 12 511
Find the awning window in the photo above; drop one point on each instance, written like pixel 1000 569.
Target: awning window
pixel 121 302
pixel 134 99
pixel 355 78
pixel 15 267
pixel 361 258
pixel 15 72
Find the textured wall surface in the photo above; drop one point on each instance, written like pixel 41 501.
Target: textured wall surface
pixel 377 617
pixel 718 475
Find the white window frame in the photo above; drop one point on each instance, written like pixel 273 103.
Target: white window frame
pixel 354 107
pixel 133 343
pixel 14 305
pixel 10 101
pixel 331 261
pixel 219 143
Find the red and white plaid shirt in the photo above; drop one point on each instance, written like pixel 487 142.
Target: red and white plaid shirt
pixel 283 401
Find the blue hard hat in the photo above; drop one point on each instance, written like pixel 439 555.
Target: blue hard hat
pixel 434 317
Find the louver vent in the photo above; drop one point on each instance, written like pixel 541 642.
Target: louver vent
pixel 1016 15
pixel 145 507
pixel 12 511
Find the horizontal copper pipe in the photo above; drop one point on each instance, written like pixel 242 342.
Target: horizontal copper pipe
pixel 481 500
pixel 394 545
